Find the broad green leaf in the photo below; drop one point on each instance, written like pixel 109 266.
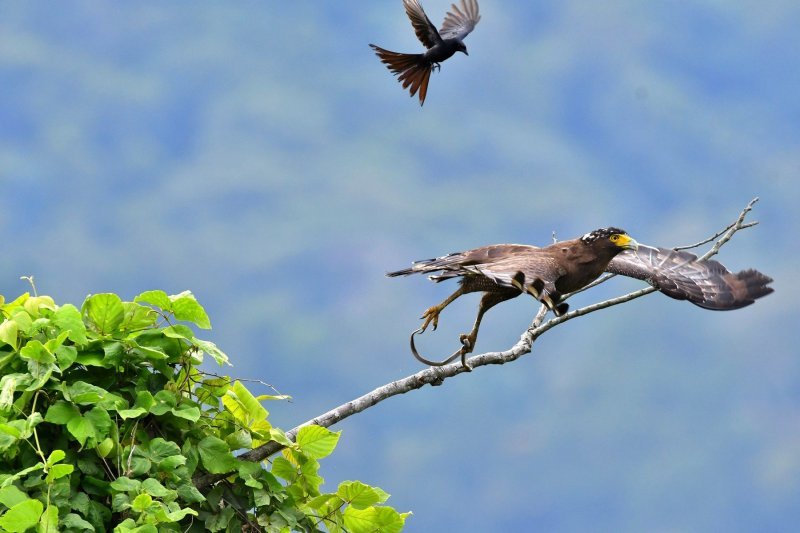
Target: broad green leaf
pixel 48 522
pixel 36 304
pixel 372 519
pixel 75 522
pixel 66 355
pixel 316 441
pixel 211 349
pixel 101 421
pixel 187 412
pixel 163 402
pixel 136 412
pixel 189 493
pixel 53 344
pixel 136 317
pixel 178 331
pixel 155 489
pixel 126 484
pixel 358 494
pixel 141 502
pixel 58 471
pixel 40 372
pixel 283 469
pixel 171 463
pixel 61 413
pixel 82 429
pixel 23 320
pixel 8 333
pixel 176 516
pixel 11 496
pixel 84 393
pixel 185 307
pixel 36 351
pixel 68 318
pixel 161 449
pixel 55 456
pixel 104 312
pixel 22 516
pixel 216 455
pixel 9 385
pixel 156 298
pixel 105 447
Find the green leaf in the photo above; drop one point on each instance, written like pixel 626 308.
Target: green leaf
pixel 185 307
pixel 66 355
pixel 216 456
pixel 22 516
pixel 155 489
pixel 156 298
pixel 81 428
pixel 48 523
pixel 23 320
pixel 8 333
pixel 58 471
pixel 101 421
pixel 137 317
pixel 56 456
pixel 84 393
pixel 211 349
pixel 8 386
pixel 372 519
pixel 10 496
pixel 284 469
pixel 104 312
pixel 178 331
pixel 358 494
pixel 163 402
pixel 68 318
pixel 74 522
pixel 61 413
pixel 141 502
pixel 125 484
pixel 187 412
pixel 171 463
pixel 316 441
pixel 36 351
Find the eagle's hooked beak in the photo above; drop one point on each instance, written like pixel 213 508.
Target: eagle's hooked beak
pixel 626 242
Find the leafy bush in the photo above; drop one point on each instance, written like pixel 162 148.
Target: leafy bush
pixel 105 420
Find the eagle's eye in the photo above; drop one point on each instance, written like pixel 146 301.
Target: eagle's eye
pixel 614 238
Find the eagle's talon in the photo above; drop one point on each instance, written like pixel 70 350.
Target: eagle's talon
pixel 431 315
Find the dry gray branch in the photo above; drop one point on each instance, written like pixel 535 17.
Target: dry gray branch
pixel 437 375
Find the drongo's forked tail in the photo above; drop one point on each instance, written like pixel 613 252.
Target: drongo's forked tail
pixel 412 70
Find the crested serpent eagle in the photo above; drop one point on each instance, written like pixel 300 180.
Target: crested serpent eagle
pixel 504 271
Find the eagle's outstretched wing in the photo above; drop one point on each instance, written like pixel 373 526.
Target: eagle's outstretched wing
pixel 680 275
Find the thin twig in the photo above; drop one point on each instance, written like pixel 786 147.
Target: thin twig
pixel 436 375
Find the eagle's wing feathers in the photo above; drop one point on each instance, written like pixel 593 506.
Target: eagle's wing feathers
pixel 680 275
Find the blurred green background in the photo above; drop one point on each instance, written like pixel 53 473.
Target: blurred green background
pixel 258 154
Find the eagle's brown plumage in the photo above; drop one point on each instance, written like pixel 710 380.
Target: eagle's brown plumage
pixel 504 271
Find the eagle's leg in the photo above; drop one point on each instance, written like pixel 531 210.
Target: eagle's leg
pixel 489 300
pixel 431 314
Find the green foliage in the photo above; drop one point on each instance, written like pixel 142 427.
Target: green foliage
pixel 106 423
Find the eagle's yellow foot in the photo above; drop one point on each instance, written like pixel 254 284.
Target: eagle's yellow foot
pixel 431 314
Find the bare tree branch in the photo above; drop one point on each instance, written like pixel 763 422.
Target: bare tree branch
pixel 436 375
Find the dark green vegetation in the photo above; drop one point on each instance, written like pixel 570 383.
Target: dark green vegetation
pixel 105 420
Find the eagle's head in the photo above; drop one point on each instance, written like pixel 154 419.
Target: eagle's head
pixel 613 239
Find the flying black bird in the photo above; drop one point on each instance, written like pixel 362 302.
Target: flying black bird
pixel 504 271
pixel 414 70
